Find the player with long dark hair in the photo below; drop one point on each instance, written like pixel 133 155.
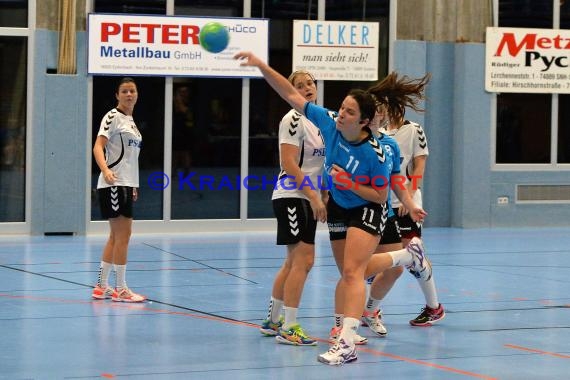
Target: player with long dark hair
pixel 399 92
pixel 356 210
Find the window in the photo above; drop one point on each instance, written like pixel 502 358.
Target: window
pixel 266 107
pixel 13 82
pixel 564 129
pixel 131 6
pixel 358 10
pixel 148 116
pixel 206 145
pixel 13 110
pixel 564 100
pixel 206 134
pixel 14 14
pixel 523 120
pixel 525 13
pixel 206 128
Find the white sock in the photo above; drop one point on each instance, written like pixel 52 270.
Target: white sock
pixel 104 271
pixel 430 293
pixel 401 257
pixel 349 327
pixel 275 307
pixel 120 276
pixel 290 317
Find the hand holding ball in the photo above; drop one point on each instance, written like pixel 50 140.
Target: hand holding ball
pixel 214 37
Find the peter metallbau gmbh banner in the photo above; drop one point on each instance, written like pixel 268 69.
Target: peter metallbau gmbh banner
pixel 174 46
pixel 527 60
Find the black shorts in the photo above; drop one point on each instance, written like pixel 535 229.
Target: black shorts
pixel 408 228
pixel 295 221
pixel 370 217
pixel 115 201
pixel 391 233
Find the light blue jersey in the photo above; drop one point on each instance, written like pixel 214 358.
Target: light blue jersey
pixel 365 161
pixel 393 151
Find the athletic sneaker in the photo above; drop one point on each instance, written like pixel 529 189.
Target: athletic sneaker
pixel 100 293
pixel 269 328
pixel 429 316
pixel 295 336
pixel 373 319
pixel 127 295
pixel 420 266
pixel 339 354
pixel 335 332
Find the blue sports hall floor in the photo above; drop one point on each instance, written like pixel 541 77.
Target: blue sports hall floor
pixel 506 292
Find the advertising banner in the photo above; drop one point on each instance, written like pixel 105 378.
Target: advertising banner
pixel 527 60
pixel 121 44
pixel 337 50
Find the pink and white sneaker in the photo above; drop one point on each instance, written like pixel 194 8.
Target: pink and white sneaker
pixel 100 293
pixel 127 295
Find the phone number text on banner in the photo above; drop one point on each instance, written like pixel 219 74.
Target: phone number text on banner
pixel 527 60
pixel 174 46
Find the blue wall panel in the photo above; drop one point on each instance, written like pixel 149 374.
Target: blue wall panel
pixel 460 189
pixel 59 141
pixel 415 59
pixel 471 142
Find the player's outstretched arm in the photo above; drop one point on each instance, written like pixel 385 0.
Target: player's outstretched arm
pixel 279 83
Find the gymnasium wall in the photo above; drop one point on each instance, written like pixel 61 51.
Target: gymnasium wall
pixel 460 189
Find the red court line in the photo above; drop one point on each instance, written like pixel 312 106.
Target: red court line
pixel 426 364
pixel 143 307
pixel 536 351
pixel 48 299
pixel 132 306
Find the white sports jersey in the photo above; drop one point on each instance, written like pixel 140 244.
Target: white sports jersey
pixel 413 143
pixel 295 129
pixel 122 149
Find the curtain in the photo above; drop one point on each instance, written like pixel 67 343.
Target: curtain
pixel 67 57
